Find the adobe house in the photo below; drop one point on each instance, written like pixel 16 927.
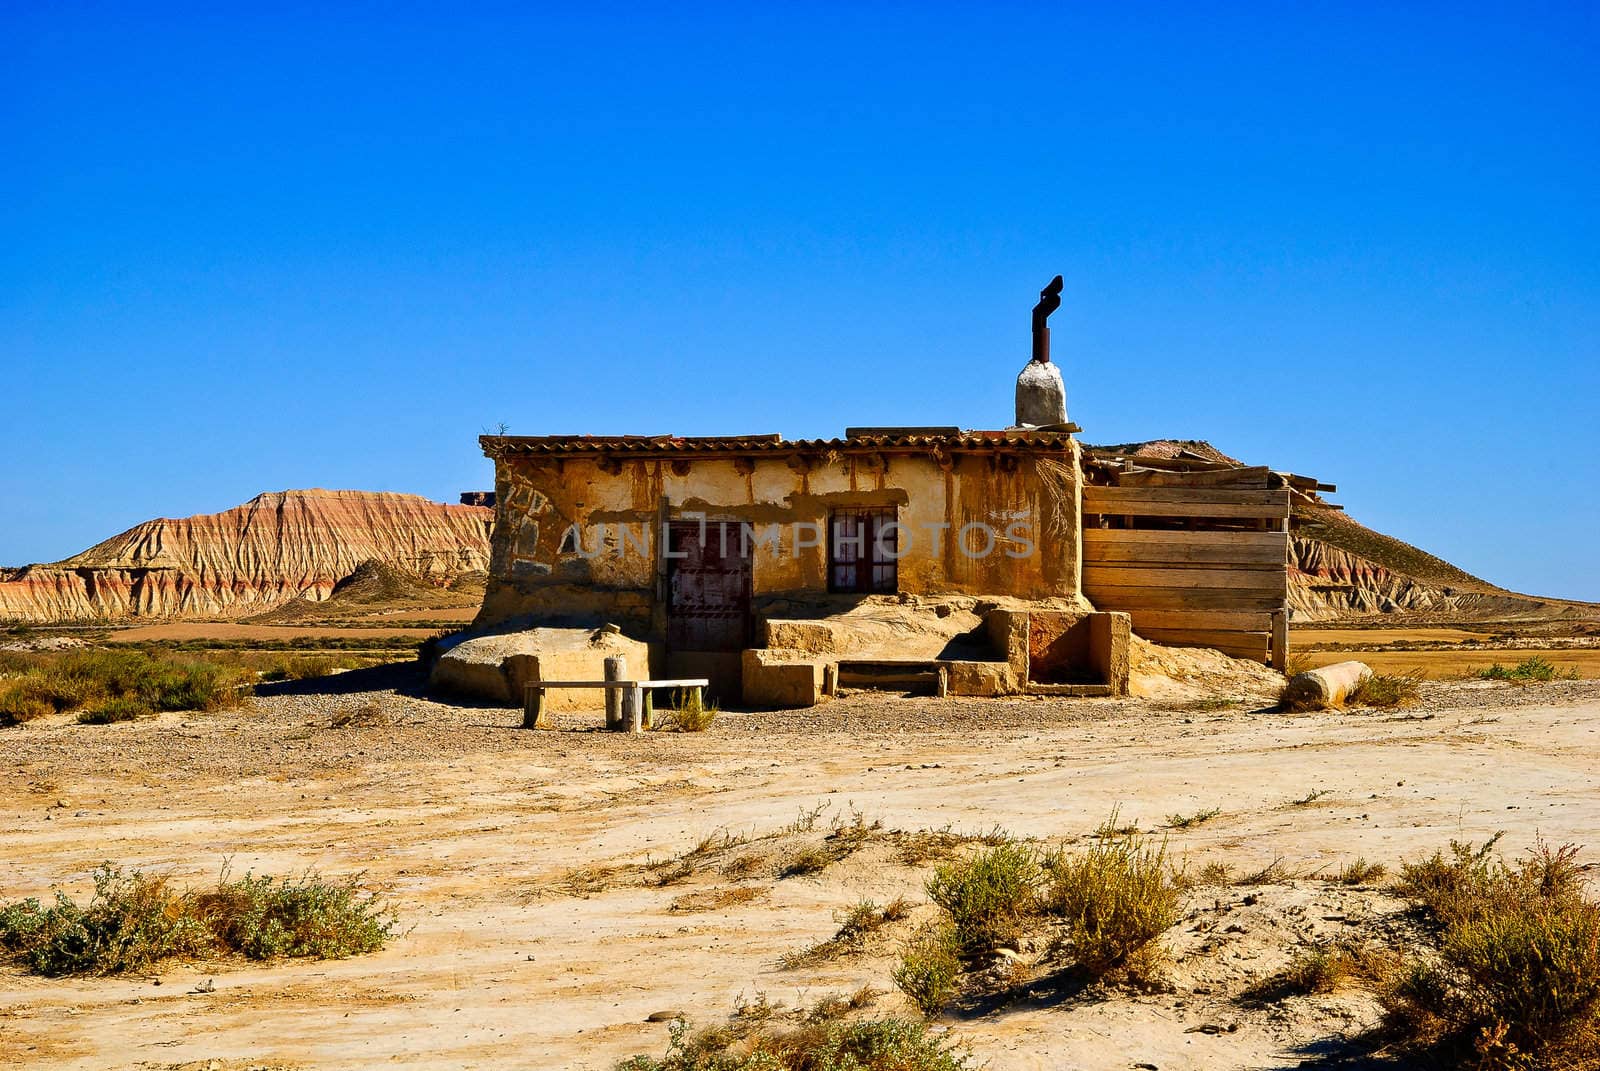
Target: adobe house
pixel 956 561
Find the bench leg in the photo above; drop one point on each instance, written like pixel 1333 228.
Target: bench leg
pixel 636 710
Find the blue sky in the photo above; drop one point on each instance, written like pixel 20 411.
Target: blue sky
pixel 330 246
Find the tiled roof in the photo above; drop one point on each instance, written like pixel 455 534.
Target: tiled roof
pixel 672 445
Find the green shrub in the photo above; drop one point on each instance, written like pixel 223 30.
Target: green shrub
pixel 18 705
pixel 120 708
pixel 1517 977
pixel 929 972
pixel 1533 670
pixel 132 921
pixel 988 896
pixel 135 920
pixel 88 679
pixel 1116 897
pixel 264 918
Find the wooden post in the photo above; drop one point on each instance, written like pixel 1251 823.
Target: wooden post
pixel 635 709
pixel 534 714
pixel 616 670
pixel 1280 640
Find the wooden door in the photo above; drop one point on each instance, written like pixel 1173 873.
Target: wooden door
pixel 708 587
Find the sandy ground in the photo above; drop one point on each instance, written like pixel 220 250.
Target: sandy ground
pixel 473 827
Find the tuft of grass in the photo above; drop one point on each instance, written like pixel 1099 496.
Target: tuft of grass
pixel 363 715
pixel 857 924
pixel 135 920
pixel 1534 670
pixel 714 899
pixel 690 713
pixel 1360 872
pixel 1274 873
pixel 1516 982
pixel 1311 797
pixel 929 971
pixel 1388 691
pixel 828 1044
pixel 109 711
pixel 988 896
pixel 806 859
pixel 1316 970
pixel 1116 897
pixel 1189 821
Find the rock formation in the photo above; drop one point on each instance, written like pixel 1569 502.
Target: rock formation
pixel 276 548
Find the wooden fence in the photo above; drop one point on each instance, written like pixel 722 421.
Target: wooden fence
pixel 1193 566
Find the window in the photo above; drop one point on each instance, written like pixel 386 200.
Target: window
pixel 863 545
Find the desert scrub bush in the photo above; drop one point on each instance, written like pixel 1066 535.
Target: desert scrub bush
pixel 1189 821
pixel 1116 896
pixel 132 921
pixel 120 708
pixel 988 896
pixel 1517 976
pixel 1534 670
pixel 80 679
pixel 135 920
pixel 861 1045
pixel 1387 690
pixel 929 971
pixel 19 705
pixel 304 917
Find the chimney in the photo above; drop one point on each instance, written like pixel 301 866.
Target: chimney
pixel 1041 395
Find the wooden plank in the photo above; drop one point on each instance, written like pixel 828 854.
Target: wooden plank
pixel 1280 640
pixel 1121 576
pixel 1176 553
pixel 1113 598
pixel 1220 620
pixel 1114 497
pixel 1250 645
pixel 1255 477
pixel 1218 510
pixel 1198 538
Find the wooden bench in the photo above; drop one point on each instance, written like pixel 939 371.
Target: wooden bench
pixel 535 716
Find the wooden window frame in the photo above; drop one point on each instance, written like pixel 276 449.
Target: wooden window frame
pixel 870 573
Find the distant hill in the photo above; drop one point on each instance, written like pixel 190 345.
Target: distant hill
pixel 273 550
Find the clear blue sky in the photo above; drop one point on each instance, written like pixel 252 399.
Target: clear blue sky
pixel 330 246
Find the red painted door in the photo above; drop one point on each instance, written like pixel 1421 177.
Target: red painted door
pixel 708 588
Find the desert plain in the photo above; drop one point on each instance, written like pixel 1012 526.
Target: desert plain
pixel 564 895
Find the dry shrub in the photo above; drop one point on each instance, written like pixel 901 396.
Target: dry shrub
pixel 856 925
pixel 989 896
pixel 1517 977
pixel 929 971
pixel 135 920
pixel 365 715
pixel 1316 970
pixel 109 711
pixel 827 1045
pixel 1388 690
pixel 690 713
pixel 1360 872
pixel 1116 897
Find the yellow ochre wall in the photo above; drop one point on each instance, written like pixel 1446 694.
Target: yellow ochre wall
pixel 539 498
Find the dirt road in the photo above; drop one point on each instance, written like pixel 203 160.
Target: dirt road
pixel 473 828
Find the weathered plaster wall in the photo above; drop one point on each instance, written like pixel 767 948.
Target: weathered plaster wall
pixel 535 568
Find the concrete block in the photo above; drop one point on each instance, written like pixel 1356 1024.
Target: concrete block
pixel 784 679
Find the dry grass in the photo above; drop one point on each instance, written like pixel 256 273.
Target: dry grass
pixel 929 971
pixel 829 1044
pixel 1516 979
pixel 1388 691
pixel 857 925
pixel 1360 872
pixel 1116 897
pixel 124 683
pixel 1319 969
pixel 690 713
pixel 1182 822
pixel 715 899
